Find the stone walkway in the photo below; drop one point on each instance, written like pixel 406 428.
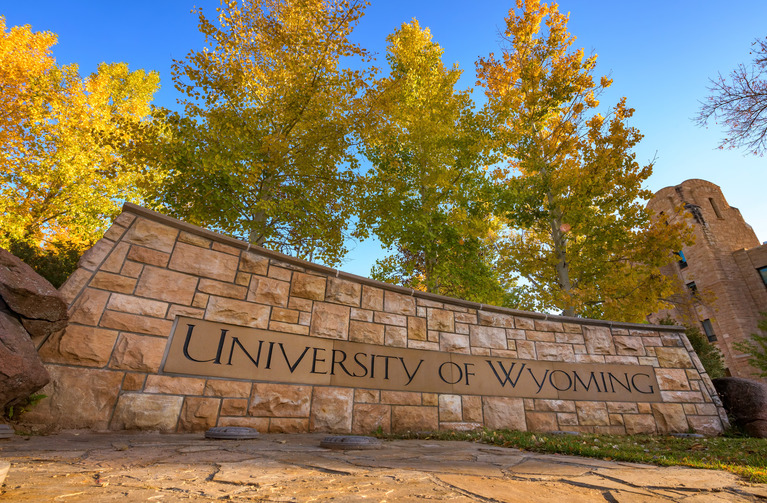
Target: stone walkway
pixel 85 466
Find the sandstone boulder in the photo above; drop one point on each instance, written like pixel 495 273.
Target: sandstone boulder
pixel 746 402
pixel 21 372
pixel 36 302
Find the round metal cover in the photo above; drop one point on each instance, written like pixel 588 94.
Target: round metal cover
pixel 6 431
pixel 231 433
pixel 351 442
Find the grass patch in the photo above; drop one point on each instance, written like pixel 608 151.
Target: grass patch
pixel 742 456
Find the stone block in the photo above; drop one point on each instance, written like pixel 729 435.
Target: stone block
pixel 706 425
pixel 554 405
pixel 149 257
pixel 237 312
pixel 491 319
pixel 152 235
pixel 172 385
pixel 567 419
pixel 242 278
pixel 308 286
pixel 234 407
pixel 133 381
pixel 138 352
pixel 504 413
pixel 93 392
pixel 599 341
pixel 487 337
pixel 524 323
pixel 269 291
pixel 222 289
pixel 572 328
pixel 671 340
pixel 398 303
pixel 330 321
pixel 622 408
pixel 471 408
pixel 541 421
pixel 372 298
pixel 535 335
pixel 362 315
pixel 288 328
pixel 198 414
pixel 548 326
pixel 202 262
pixel 132 269
pixel 526 350
pixel 189 312
pixel 639 424
pixel 331 410
pixel 416 328
pixel 396 337
pixel 673 357
pixel 342 291
pixel 414 418
pixel 138 411
pixel 194 239
pixel 137 305
pixel 255 264
pixel 431 399
pixel 113 282
pixel 454 343
pixel 79 345
pixel 370 417
pixel 116 259
pixel 440 320
pixel 135 323
pixel 74 285
pixel 280 400
pixel 170 286
pixel 369 333
pixel 592 413
pixel 672 379
pixel 93 257
pixel 401 397
pixel 551 351
pixel 450 408
pixel 115 232
pixel 429 346
pixel 629 345
pixel 231 250
pixel 284 315
pixel 367 396
pixel 88 307
pixel 670 417
pixel 279 273
pixel 390 319
pixel 288 424
pixel 467 318
pixel 569 338
pixel 222 388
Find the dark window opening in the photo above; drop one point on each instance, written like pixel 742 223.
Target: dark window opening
pixel 709 329
pixel 682 260
pixel 693 288
pixel 763 274
pixel 716 208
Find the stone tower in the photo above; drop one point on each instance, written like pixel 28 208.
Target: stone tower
pixel 722 275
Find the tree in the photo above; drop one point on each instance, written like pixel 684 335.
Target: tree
pixel 63 172
pixel 756 347
pixel 739 103
pixel 263 148
pixel 571 190
pixel 425 186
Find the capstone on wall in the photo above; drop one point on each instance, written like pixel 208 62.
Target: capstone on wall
pixel 150 271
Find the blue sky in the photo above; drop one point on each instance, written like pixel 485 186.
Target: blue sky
pixel 660 54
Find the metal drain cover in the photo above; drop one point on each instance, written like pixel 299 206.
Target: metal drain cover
pixel 231 433
pixel 349 442
pixel 6 431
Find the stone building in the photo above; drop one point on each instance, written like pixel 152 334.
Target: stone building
pixel 722 275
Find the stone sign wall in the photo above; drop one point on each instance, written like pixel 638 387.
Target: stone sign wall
pixel 176 328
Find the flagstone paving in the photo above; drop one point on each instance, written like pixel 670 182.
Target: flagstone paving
pixel 125 467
